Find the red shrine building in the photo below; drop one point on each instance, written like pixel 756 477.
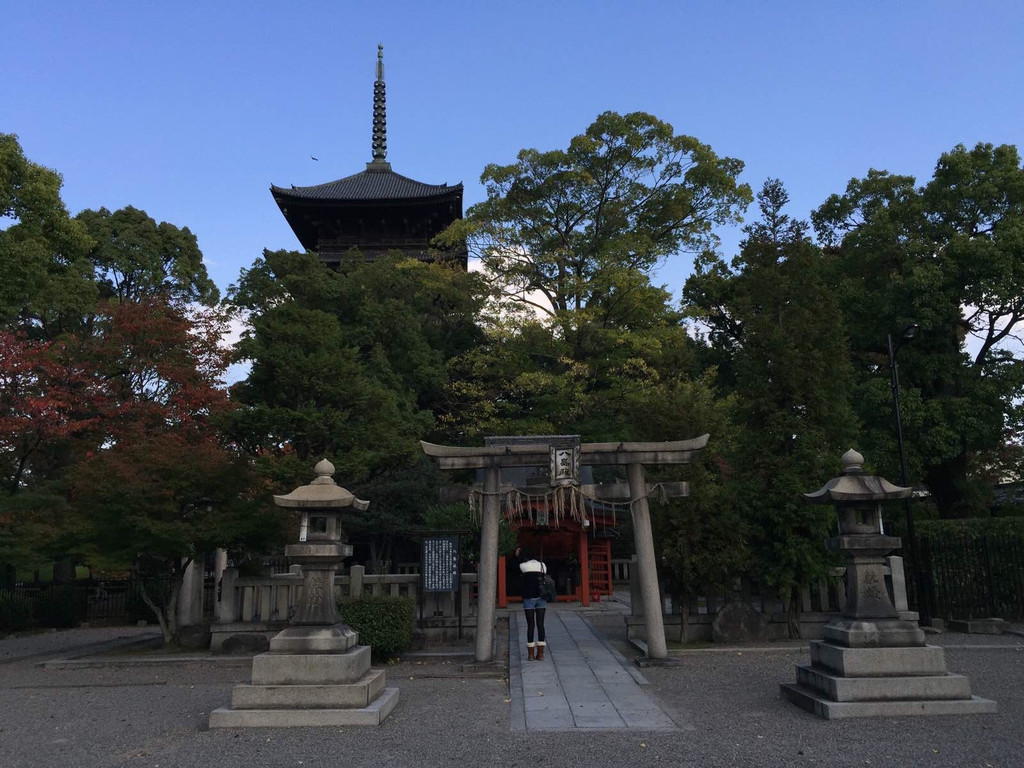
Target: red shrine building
pixel 375 211
pixel 568 531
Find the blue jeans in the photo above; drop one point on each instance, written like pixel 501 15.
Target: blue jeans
pixel 530 603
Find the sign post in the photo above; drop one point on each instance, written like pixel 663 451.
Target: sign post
pixel 439 570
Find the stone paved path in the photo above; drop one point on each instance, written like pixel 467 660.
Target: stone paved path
pixel 582 682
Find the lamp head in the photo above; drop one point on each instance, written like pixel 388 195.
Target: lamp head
pixel 910 331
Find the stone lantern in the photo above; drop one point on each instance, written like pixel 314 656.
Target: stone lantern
pixel 317 624
pixel 870 662
pixel 316 673
pixel 869 617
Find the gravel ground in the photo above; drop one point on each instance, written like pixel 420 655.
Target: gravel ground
pixel 727 706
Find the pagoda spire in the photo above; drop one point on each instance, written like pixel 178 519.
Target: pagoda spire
pixel 380 124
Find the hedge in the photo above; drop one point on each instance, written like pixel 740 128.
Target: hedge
pixel 1005 528
pixel 382 621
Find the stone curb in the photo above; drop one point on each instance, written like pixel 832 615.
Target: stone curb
pixel 644 661
pixel 77 651
pixel 146 661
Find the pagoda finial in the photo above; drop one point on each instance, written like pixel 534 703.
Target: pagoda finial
pixel 380 125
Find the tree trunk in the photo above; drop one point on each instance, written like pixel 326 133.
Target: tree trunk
pixel 166 612
pixel 955 495
pixel 793 614
pixel 63 570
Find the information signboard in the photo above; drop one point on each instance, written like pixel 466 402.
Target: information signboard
pixel 440 563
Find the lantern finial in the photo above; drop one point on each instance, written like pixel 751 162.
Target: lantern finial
pixel 853 463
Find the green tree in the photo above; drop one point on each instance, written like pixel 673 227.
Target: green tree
pixel 568 239
pixel 353 364
pixel 163 487
pixel 574 233
pixel 134 257
pixel 580 341
pixel 108 371
pixel 47 281
pixel 949 256
pixel 774 315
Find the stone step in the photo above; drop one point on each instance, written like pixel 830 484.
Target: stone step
pixel 924 687
pixel 311 668
pixel 371 715
pixel 977 626
pixel 816 704
pixel 346 696
pixel 925 660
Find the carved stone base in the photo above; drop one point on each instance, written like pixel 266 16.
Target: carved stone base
pixel 873 633
pixel 371 715
pixel 880 682
pixel 310 689
pixel 336 639
pixel 928 660
pixel 352 695
pixel 818 705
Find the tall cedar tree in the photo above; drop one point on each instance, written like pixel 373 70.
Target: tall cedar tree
pixel 775 316
pixel 949 256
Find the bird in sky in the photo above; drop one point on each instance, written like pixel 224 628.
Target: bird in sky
pixel 314 158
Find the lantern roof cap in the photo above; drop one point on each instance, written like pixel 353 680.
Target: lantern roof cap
pixel 321 493
pixel 853 485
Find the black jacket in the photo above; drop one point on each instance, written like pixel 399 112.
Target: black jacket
pixel 533 571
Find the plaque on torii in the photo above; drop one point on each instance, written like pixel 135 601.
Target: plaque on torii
pixel 564 454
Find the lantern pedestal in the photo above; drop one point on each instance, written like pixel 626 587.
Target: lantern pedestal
pixel 871 663
pixel 316 673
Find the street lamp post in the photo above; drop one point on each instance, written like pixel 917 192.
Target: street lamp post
pixel 907 334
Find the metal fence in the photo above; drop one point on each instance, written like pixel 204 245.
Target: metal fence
pixel 28 606
pixel 972 575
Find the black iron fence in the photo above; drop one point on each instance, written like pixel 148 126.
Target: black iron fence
pixel 971 570
pixel 27 606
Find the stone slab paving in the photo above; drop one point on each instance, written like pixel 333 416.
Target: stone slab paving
pixel 581 683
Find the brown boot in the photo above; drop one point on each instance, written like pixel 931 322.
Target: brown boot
pixel 540 653
pixel 529 652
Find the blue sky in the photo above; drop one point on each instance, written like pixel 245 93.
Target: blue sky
pixel 191 110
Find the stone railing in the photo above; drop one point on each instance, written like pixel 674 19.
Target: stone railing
pixel 692 618
pixel 620 571
pixel 252 609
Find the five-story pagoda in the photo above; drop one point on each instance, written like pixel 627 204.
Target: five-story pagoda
pixel 374 211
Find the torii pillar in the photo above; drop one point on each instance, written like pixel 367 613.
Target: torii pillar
pixel 633 456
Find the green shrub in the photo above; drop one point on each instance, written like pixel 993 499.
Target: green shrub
pixel 1005 529
pixel 15 611
pixel 384 622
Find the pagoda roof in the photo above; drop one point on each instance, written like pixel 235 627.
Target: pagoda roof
pixel 371 185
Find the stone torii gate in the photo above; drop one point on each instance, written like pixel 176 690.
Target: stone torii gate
pixel 553 452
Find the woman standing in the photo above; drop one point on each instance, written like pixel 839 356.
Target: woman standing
pixel 533 604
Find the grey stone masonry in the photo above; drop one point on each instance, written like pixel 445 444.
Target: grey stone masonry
pixel 872 661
